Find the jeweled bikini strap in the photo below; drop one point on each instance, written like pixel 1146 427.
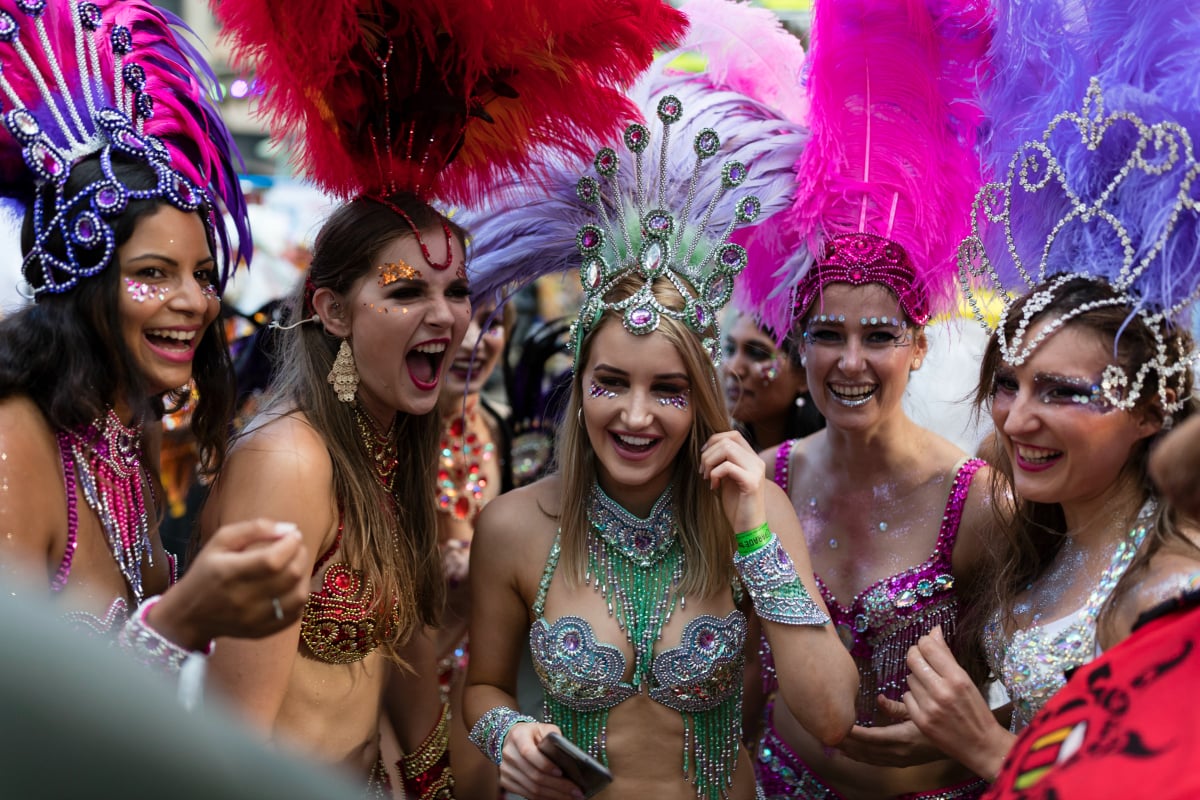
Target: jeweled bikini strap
pixel 59 581
pixel 539 603
pixel 783 460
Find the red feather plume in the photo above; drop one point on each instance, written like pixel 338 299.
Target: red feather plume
pixel 443 99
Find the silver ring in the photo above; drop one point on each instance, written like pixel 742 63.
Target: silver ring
pixel 277 608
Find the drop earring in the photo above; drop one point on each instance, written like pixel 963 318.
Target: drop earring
pixel 343 376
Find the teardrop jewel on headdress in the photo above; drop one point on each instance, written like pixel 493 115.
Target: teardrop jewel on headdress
pixel 655 242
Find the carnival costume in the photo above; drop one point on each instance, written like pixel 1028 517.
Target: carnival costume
pixel 436 100
pixel 636 564
pixel 886 174
pixel 1095 175
pixel 110 83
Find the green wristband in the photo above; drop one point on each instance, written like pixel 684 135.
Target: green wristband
pixel 753 539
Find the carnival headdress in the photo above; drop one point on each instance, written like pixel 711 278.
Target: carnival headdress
pixel 1095 107
pixel 527 231
pixel 442 99
pixel 112 79
pixel 889 171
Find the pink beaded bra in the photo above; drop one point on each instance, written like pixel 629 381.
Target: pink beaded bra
pixel 885 619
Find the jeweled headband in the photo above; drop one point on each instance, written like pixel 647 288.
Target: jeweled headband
pixel 81 79
pixel 1096 177
pixel 859 259
pixel 657 242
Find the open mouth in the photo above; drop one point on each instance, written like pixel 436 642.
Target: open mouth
pixel 853 395
pixel 464 367
pixel 424 364
pixel 634 445
pixel 173 341
pixel 1031 456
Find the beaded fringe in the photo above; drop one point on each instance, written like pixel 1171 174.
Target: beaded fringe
pixel 889 660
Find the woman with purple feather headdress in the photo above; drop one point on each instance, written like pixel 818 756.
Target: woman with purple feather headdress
pixel 123 170
pixel 1090 234
pixel 855 268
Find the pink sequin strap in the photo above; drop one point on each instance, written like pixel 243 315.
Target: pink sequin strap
pixel 59 581
pixel 952 516
pixel 783 458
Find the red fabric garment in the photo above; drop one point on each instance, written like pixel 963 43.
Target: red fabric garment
pixel 1124 725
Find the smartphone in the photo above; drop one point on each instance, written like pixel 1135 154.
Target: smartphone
pixel 577 766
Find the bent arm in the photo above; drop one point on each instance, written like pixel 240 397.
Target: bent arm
pixel 817 677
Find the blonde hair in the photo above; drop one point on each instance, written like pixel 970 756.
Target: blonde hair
pixel 704 532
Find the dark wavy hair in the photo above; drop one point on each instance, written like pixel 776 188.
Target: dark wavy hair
pixel 66 352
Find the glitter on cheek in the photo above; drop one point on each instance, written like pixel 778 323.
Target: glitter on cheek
pixel 141 292
pixel 678 401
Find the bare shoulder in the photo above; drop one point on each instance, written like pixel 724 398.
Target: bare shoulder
pixel 279 469
pixel 521 518
pixel 24 430
pixel 31 469
pixel 1171 571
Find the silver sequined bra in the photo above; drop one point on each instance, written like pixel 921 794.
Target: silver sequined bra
pixel 582 673
pixel 1032 662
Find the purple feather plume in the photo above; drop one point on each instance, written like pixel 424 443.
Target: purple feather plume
pixel 1143 58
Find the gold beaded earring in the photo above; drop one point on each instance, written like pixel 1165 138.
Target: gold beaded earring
pixel 343 377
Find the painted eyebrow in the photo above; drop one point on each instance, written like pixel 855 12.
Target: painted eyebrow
pixel 679 376
pixel 165 259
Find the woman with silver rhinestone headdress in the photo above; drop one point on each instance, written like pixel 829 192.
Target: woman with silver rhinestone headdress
pixel 1090 233
pixel 615 570
pixel 120 165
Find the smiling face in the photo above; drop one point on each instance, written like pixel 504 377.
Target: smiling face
pixel 761 382
pixel 1066 444
pixel 404 322
pixel 636 408
pixel 167 295
pixel 859 351
pixel 476 358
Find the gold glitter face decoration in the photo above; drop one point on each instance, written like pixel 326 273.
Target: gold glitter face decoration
pixel 394 271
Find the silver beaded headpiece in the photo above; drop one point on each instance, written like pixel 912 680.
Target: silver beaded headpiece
pixel 1103 196
pixel 649 240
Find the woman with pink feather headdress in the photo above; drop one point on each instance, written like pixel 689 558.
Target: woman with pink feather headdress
pixel 864 258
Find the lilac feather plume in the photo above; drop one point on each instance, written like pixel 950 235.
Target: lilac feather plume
pixel 1051 55
pixel 527 231
pixel 894 120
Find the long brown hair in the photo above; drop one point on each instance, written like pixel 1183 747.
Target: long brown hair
pixel 1030 533
pixel 393 543
pixel 704 532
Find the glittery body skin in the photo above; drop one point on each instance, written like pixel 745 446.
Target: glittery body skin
pixel 1032 662
pixel 886 618
pixel 782 775
pixel 701 677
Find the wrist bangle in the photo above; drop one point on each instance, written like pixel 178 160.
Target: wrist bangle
pixel 753 539
pixel 490 730
pixel 147 645
pixel 770 577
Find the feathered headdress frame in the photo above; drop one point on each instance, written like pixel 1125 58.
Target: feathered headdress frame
pixel 894 120
pixel 116 80
pixel 528 231
pixel 442 100
pixel 1095 111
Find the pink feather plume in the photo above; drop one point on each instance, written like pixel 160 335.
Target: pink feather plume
pixel 894 117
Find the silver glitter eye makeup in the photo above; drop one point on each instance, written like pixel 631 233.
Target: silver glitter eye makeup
pixel 675 401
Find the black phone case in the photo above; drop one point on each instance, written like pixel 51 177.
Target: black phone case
pixel 578 767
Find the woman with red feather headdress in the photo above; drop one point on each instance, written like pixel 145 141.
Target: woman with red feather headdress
pixel 399 103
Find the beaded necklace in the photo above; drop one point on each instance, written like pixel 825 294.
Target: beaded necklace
pixel 460 477
pixel 106 457
pixel 382 448
pixel 635 564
